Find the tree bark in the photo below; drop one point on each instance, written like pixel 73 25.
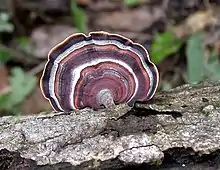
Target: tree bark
pixel 180 122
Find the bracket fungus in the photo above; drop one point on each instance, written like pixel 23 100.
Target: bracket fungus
pixel 96 70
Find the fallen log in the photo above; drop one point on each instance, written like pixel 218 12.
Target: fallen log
pixel 183 122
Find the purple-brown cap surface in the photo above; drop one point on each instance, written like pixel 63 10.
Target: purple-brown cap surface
pixel 97 70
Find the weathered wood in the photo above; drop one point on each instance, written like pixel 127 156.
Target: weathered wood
pixel 184 117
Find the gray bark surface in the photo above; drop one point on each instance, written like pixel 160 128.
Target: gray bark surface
pixel 184 117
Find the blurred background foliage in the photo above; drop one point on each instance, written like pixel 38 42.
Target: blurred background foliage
pixel 182 38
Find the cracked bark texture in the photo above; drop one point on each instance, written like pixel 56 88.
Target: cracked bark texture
pixel 184 117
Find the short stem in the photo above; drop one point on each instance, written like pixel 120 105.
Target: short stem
pixel 104 97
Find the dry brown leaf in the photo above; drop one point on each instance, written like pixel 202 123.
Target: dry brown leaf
pixel 45 37
pixel 195 23
pixel 132 20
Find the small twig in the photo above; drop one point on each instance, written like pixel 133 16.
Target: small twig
pixel 37 69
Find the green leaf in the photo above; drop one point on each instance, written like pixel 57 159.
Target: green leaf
pixel 4 56
pixel 79 17
pixel 130 3
pixel 21 85
pixel 164 45
pixel 213 68
pixel 5 25
pixel 24 43
pixel 195 58
pixel 5 101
